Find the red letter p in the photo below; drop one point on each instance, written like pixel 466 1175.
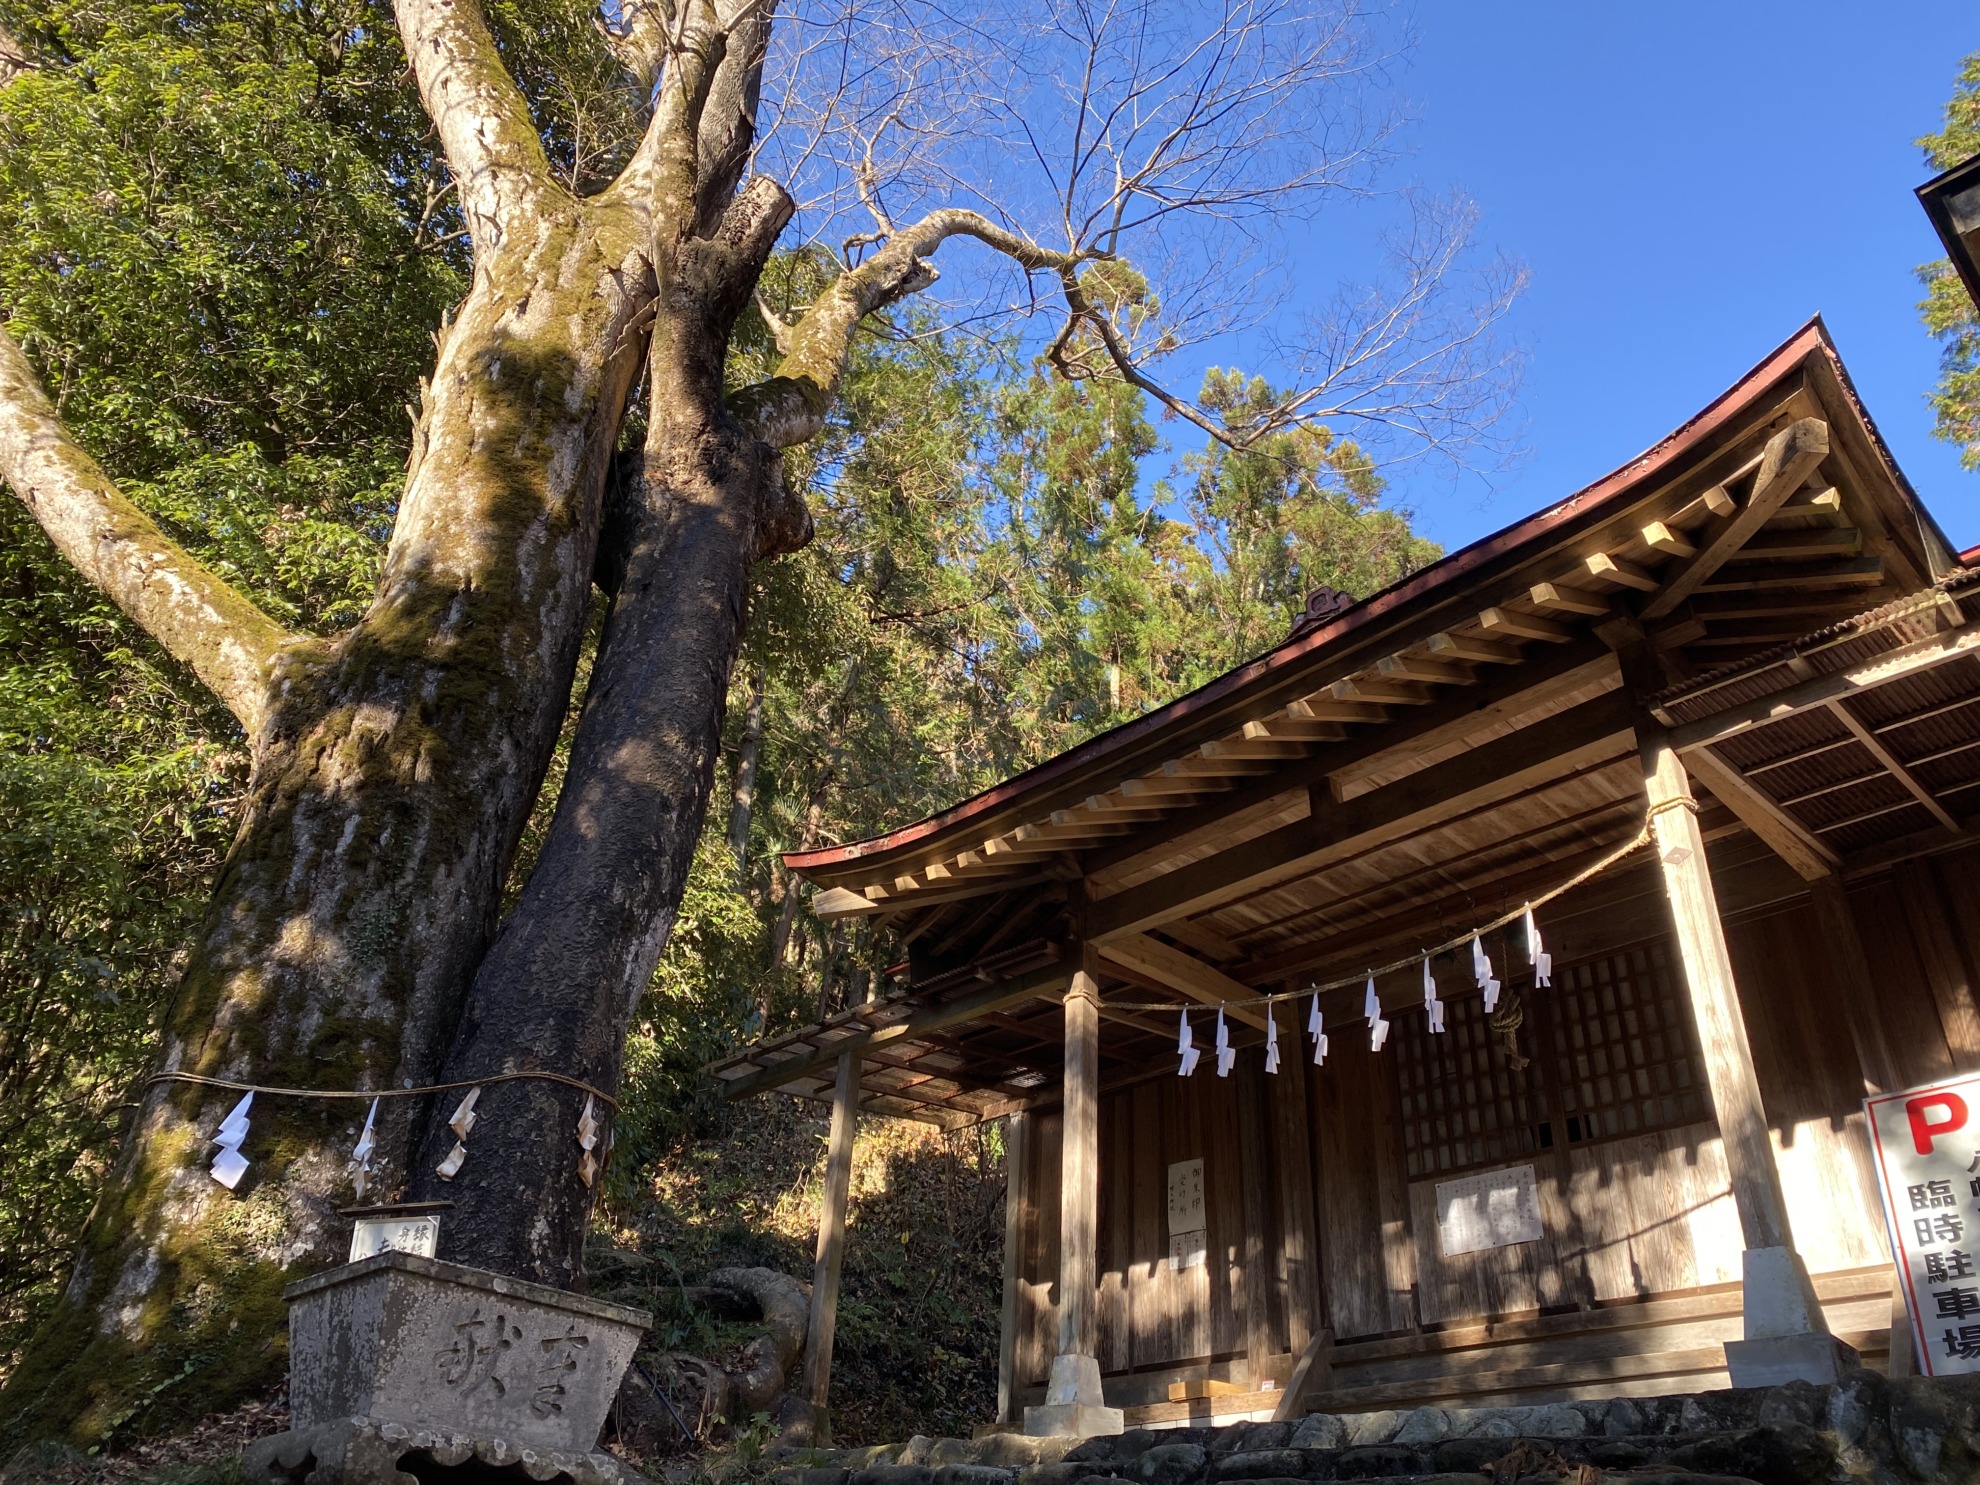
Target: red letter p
pixel 1922 1132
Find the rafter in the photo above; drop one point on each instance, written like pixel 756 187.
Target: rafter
pixel 1789 458
pixel 1184 973
pixel 1789 839
pixel 1874 745
pixel 1502 766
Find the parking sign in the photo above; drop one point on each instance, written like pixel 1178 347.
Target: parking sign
pixel 1927 1147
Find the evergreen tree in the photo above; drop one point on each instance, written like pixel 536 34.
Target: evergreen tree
pixel 1948 310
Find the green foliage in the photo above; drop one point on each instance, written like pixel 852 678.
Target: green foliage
pixel 114 812
pixel 1948 311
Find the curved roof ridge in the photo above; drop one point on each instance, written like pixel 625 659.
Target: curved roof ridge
pixel 1811 339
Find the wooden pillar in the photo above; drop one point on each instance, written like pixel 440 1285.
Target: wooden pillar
pixel 1701 943
pixel 1079 1168
pixel 1017 1135
pixel 1787 1337
pixel 1073 1400
pixel 831 1246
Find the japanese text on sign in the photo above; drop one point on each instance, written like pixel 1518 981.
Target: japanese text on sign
pixel 1927 1145
pixel 1186 1197
pixel 1189 1235
pixel 372 1235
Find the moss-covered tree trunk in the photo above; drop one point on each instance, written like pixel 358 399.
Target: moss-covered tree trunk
pixel 558 987
pixel 393 770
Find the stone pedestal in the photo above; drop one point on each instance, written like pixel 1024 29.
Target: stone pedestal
pixel 400 1355
pixel 1787 1336
pixel 1074 1405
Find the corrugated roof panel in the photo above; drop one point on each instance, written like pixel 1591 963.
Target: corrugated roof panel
pixel 1907 820
pixel 1775 741
pixel 1831 809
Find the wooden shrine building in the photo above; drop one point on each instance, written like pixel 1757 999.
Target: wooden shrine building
pixel 1649 1175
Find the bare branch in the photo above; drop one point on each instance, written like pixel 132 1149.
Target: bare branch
pixel 1179 138
pixel 661 176
pixel 726 128
pixel 485 128
pixel 780 330
pixel 198 618
pixel 789 408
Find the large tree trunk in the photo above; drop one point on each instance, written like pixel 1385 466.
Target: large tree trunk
pixel 558 987
pixel 390 783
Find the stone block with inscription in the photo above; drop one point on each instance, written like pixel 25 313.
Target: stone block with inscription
pixel 399 1358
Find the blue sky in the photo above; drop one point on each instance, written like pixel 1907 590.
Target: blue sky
pixel 1687 183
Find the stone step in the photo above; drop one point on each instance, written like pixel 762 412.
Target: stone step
pixel 1863 1429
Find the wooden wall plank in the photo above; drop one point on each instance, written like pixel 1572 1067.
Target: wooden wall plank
pixel 1905 1005
pixel 1948 970
pixel 1384 1133
pixel 1115 1343
pixel 1224 1176
pixel 1041 1335
pixel 1150 1300
pixel 1350 1146
pixel 1812 1085
pixel 1293 1165
pixel 1255 1200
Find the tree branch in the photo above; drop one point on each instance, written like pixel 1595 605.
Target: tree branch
pixel 196 616
pixel 639 39
pixel 726 130
pixel 485 129
pixel 660 177
pixel 789 408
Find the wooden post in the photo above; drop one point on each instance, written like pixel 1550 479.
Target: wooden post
pixel 1079 1168
pixel 1787 1337
pixel 1017 1134
pixel 1073 1400
pixel 831 1246
pixel 1701 944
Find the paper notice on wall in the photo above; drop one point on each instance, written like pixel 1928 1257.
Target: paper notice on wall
pixel 1186 1197
pixel 1493 1209
pixel 1926 1142
pixel 1189 1249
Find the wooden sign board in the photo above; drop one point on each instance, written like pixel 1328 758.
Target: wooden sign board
pixel 1189 1224
pixel 1926 1142
pixel 407 1234
pixel 1493 1209
pixel 1186 1197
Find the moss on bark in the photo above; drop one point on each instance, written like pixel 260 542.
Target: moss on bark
pixel 391 783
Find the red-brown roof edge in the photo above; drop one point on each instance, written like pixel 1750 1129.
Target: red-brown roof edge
pixel 1812 338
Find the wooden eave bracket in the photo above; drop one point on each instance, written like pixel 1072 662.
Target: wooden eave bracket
pixel 1788 459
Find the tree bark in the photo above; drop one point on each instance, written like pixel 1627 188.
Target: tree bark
pixel 558 986
pixel 392 773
